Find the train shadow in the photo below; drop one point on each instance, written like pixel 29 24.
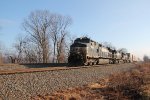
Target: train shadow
pixel 44 65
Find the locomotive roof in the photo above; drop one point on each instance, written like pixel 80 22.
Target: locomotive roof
pixel 85 40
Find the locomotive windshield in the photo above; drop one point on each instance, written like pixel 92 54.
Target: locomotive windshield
pixel 78 45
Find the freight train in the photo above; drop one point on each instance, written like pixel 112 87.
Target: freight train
pixel 85 51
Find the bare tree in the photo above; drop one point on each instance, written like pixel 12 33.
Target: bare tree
pixel 25 50
pixel 31 53
pixel 2 49
pixel 58 33
pixel 37 25
pixel 123 50
pixel 146 58
pixel 10 56
pixel 109 45
pixel 1 58
pixel 68 43
pixel 19 47
pixel 45 27
pixel 0 54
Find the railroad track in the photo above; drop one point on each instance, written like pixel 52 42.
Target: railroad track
pixel 32 70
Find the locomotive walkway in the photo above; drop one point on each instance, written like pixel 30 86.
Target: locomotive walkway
pixel 23 85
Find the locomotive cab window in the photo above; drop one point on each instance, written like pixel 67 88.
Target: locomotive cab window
pixel 78 45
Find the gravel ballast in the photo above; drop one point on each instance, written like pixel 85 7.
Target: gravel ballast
pixel 23 86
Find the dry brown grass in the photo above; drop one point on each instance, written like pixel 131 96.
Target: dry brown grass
pixel 124 86
pixel 134 85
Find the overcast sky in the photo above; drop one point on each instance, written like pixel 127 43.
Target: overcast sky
pixel 124 23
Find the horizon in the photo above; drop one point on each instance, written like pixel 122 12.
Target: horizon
pixel 125 23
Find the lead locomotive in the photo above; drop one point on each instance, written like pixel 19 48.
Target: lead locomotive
pixel 85 51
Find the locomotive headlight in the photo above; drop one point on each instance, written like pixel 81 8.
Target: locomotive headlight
pixel 78 52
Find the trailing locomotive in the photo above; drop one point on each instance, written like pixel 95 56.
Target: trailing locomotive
pixel 85 51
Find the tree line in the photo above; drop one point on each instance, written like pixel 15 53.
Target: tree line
pixel 47 39
pixel 146 58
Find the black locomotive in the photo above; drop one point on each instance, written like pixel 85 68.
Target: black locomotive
pixel 85 51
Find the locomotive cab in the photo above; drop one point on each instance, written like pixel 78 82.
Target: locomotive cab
pixel 78 52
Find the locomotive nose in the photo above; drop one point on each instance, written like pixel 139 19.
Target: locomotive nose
pixel 76 59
